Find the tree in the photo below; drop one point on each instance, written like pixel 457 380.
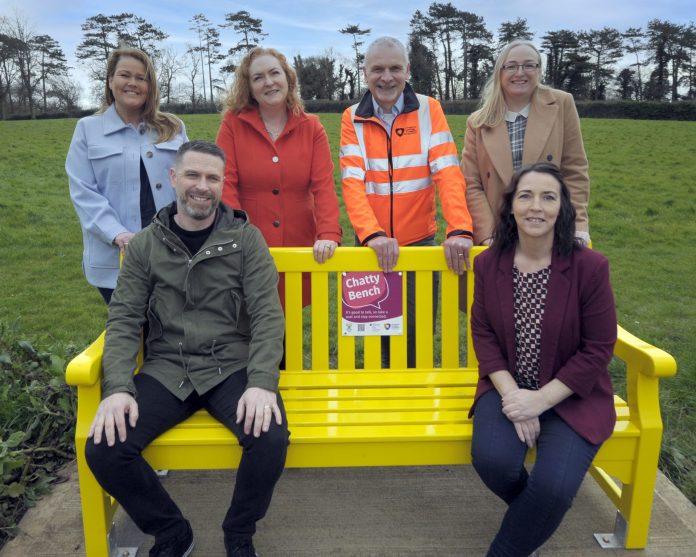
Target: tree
pixel 423 66
pixel 634 43
pixel 559 47
pixel 25 59
pixel 102 34
pixel 689 43
pixel 445 22
pixel 194 67
pixel 626 83
pixel 9 46
pixel 481 63
pixel 475 40
pixel 603 47
pixel 511 30
pixel 208 47
pixel 355 32
pixel 51 62
pixel 316 76
pixel 65 92
pixel 170 64
pixel 422 30
pixel 664 40
pixel 251 31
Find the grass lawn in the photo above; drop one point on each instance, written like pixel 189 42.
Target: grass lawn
pixel 642 216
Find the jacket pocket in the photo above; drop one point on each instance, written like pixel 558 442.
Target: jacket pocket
pixel 240 314
pixel 154 324
pixel 107 164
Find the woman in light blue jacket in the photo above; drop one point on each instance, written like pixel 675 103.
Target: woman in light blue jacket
pixel 118 164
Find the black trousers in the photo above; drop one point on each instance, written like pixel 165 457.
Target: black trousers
pixel 411 312
pixel 123 472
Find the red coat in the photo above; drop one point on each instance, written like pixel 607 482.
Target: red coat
pixel 287 187
pixel 578 334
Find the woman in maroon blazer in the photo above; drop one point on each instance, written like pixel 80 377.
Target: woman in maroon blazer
pixel 544 326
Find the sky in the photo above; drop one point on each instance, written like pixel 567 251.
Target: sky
pixel 309 27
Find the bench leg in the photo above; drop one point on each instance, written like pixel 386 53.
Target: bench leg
pixel 96 508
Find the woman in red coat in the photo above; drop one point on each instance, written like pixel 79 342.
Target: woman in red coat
pixel 543 324
pixel 279 168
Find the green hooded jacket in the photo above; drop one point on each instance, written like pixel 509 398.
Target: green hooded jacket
pixel 210 314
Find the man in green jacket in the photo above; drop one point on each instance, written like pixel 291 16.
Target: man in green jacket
pixel 203 280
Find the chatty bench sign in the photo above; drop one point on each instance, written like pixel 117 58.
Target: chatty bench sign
pixel 372 304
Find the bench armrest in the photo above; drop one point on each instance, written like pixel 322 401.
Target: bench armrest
pixel 645 358
pixel 85 369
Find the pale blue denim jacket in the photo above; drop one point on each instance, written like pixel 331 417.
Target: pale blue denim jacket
pixel 103 167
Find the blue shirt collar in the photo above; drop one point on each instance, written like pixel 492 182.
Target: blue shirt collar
pixel 113 122
pixel 395 110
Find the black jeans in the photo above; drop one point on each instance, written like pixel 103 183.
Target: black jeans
pixel 106 293
pixel 537 501
pixel 411 312
pixel 123 472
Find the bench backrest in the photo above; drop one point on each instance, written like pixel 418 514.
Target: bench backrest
pixel 313 336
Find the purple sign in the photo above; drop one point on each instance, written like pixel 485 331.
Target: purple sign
pixel 372 304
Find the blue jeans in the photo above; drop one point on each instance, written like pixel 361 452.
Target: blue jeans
pixel 537 501
pixel 124 473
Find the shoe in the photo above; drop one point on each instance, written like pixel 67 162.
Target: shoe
pixel 240 548
pixel 174 546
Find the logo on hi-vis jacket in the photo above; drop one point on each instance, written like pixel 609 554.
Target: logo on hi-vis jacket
pixel 406 131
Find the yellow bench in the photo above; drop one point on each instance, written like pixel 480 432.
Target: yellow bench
pixel 343 416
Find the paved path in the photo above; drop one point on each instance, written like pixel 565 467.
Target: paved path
pixel 370 512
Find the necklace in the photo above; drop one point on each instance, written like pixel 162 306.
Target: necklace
pixel 274 132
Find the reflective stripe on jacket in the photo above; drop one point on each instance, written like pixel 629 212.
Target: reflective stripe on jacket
pixel 389 180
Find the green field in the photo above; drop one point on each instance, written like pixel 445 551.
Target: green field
pixel 642 216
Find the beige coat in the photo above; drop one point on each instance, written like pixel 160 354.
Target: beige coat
pixel 553 135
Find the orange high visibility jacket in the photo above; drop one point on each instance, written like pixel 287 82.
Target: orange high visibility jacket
pixel 389 180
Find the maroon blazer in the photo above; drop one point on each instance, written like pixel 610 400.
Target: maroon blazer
pixel 578 333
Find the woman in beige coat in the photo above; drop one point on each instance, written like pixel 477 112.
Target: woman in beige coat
pixel 521 122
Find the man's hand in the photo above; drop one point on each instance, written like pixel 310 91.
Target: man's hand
pixel 257 406
pixel 112 414
pixel 324 250
pixel 457 250
pixel 121 241
pixel 523 405
pixel 528 431
pixel 387 250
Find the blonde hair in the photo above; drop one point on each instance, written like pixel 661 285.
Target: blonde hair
pixel 240 97
pixel 492 108
pixel 166 125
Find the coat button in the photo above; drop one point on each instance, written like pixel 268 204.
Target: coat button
pixel 234 245
pixel 275 191
pixel 275 158
pixel 148 154
pixel 158 186
pixel 276 223
pixel 219 248
pixel 207 252
pixel 549 158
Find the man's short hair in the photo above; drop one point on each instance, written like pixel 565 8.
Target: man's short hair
pixel 390 42
pixel 199 146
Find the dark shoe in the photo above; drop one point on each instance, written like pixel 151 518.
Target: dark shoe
pixel 174 546
pixel 240 548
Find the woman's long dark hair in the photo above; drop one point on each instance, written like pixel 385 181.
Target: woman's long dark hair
pixel 505 236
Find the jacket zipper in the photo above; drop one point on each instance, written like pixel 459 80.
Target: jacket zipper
pixel 390 163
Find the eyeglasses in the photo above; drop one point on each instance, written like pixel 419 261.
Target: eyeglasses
pixel 512 67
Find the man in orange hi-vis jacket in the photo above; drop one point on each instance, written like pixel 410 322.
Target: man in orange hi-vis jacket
pixel 396 148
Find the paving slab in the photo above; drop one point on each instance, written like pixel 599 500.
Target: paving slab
pixel 365 512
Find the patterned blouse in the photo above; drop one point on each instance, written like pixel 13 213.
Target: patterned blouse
pixel 517 126
pixel 530 291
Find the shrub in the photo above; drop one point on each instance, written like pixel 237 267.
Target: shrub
pixel 37 412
